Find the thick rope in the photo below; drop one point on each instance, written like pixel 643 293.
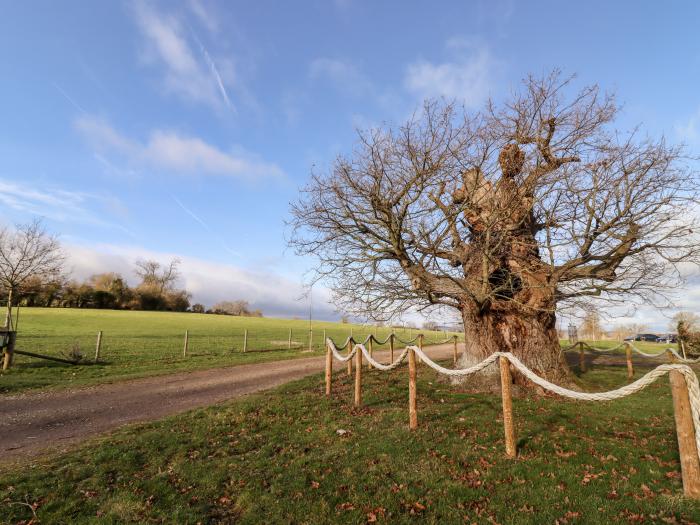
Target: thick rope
pixel 691 379
pixel 368 356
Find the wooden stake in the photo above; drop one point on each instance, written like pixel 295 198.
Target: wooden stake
pixel 671 357
pixel 184 348
pixel 581 358
pixel 369 365
pixel 289 344
pixel 98 345
pixel 506 395
pixel 454 351
pixel 311 339
pixel 630 368
pixel 324 336
pixel 350 343
pixel 329 370
pixel 685 430
pixel 245 340
pixel 391 346
pixel 358 378
pixel 9 350
pixel 420 345
pixel 412 409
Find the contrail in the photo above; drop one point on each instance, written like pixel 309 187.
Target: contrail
pixel 65 95
pixel 205 226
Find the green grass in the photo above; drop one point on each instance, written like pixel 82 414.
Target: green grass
pixel 277 457
pixel 137 344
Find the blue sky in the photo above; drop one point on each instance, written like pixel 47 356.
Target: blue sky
pixel 159 128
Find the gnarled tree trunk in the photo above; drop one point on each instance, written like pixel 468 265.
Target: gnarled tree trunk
pixel 531 337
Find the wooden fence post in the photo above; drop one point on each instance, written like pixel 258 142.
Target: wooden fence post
pixel 506 395
pixel 412 408
pixel 324 336
pixel 358 378
pixel 630 367
pixel 329 370
pixel 369 365
pixel 9 350
pixel 350 343
pixel 311 339
pixel 581 357
pixel 454 351
pixel 98 345
pixel 289 343
pixel 245 340
pixel 685 430
pixel 187 340
pixel 391 346
pixel 420 345
pixel 671 357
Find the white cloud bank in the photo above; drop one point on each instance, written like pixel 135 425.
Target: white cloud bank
pixel 169 150
pixel 207 281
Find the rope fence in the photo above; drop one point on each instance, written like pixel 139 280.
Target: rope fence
pixel 669 352
pixel 684 387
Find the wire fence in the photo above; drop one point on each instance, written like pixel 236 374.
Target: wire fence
pixel 118 347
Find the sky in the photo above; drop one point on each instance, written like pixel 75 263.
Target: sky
pixel 163 129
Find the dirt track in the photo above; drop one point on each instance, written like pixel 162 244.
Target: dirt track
pixel 36 422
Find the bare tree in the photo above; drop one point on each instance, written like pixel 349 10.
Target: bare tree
pixel 690 320
pixel 591 327
pixel 27 253
pixel 160 277
pixel 505 215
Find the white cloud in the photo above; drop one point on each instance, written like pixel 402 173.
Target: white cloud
pixel 468 77
pixel 60 205
pixel 192 77
pixel 209 282
pixel 169 150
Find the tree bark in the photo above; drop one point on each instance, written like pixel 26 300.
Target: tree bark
pixel 529 335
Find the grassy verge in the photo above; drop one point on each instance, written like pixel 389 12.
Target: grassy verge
pixel 292 456
pixel 138 344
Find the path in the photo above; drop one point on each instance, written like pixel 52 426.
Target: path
pixel 35 422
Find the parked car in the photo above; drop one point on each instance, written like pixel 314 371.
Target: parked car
pixel 668 338
pixel 650 338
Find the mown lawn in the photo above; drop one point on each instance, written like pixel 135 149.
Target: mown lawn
pixel 137 344
pixel 293 456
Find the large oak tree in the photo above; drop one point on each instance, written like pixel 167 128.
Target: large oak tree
pixel 503 214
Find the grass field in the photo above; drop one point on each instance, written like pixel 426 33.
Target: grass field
pixel 281 457
pixel 136 344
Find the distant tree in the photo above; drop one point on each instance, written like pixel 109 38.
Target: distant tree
pixel 690 320
pixel 198 308
pixel 27 252
pixel 111 288
pixel 156 276
pixel 177 300
pixel 591 328
pixel 431 326
pixel 231 308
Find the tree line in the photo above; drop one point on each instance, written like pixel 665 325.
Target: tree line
pixel 32 274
